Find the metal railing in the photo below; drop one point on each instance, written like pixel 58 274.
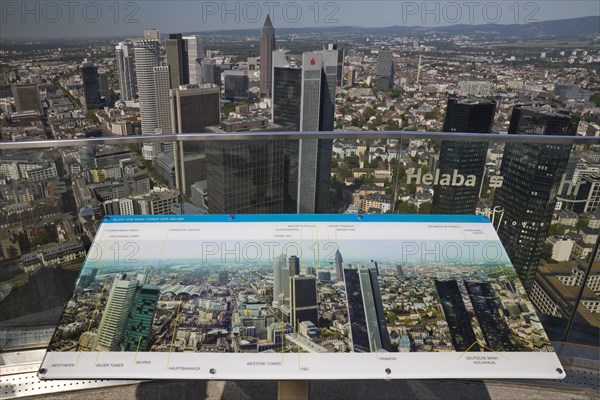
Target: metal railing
pixel 363 135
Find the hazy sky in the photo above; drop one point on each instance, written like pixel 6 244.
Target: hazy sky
pixel 54 19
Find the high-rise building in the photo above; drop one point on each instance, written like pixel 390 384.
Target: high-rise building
pixel 532 175
pixel 468 159
pixel 489 315
pixel 187 100
pixel 267 45
pixel 281 281
pixel 304 100
pixel 236 85
pixel 27 97
pixel 399 271
pixel 126 71
pixel 141 315
pixel 456 315
pixel 104 89
pixel 161 95
pixel 245 176
pixel 147 56
pixel 211 72
pixel 339 266
pixel 91 86
pixel 294 265
pixel 340 63
pixel 177 60
pixel 303 300
pixel 113 324
pixel 368 329
pixel 385 70
pixel 194 46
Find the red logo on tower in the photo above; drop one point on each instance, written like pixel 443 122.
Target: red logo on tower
pixel 312 61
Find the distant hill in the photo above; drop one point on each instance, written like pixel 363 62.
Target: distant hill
pixel 574 27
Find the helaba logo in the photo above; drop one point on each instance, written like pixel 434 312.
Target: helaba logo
pixel 312 61
pixel 454 179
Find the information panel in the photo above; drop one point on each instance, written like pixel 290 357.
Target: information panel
pixel 298 297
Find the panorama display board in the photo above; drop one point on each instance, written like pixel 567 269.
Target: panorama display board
pixel 298 297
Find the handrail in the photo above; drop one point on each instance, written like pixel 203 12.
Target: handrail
pixel 205 137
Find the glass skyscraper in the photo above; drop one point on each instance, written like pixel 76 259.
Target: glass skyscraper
pixel 456 315
pixel 532 175
pixel 468 115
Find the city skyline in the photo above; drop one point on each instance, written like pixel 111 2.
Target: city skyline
pixel 350 13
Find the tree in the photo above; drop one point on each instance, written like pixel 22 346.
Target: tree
pixel 547 252
pixel 582 222
pixel 425 208
pixel 353 161
pixel 407 208
pixel 556 230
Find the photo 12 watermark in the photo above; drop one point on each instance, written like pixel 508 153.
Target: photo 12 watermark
pixel 289 12
pixel 72 12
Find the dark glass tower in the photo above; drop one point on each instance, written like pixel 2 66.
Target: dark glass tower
pixel 267 45
pixel 304 100
pixel 294 265
pixel 489 315
pixel 532 175
pixel 245 177
pixel 467 115
pixel 456 315
pixel 368 328
pixel 177 60
pixel 339 266
pixel 140 318
pixel 303 297
pixel 91 86
pixel 385 70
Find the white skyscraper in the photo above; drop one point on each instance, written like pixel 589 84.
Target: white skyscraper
pixel 281 281
pixel 147 56
pixel 114 320
pixel 194 46
pixel 126 70
pixel 162 102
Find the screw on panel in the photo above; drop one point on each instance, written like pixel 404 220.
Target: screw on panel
pixel 559 370
pixel 212 371
pixel 43 371
pixel 388 371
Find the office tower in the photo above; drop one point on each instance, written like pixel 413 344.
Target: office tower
pixel 194 46
pixel 141 316
pixel 294 265
pixel 91 86
pixel 281 281
pixel 161 94
pixel 489 315
pixel 151 34
pixel 126 71
pixel 177 60
pixel 267 45
pixel 186 103
pixel 104 89
pixel 147 56
pixel 245 177
pixel 339 266
pixel 468 159
pixel 211 73
pixel 399 271
pixel 532 175
pixel 287 89
pixel 456 315
pixel 87 280
pixel 116 314
pixel 385 70
pixel 236 85
pixel 27 97
pixel 319 71
pixel 368 329
pixel 340 63
pixel 303 298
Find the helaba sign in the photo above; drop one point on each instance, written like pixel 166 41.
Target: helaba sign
pixel 454 179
